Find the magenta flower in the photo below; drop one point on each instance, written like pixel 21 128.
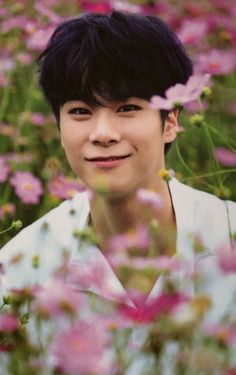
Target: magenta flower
pixel 96 7
pixel 225 157
pixel 163 304
pixel 8 323
pixel 216 62
pixel 226 259
pixel 181 94
pixel 63 187
pixel 4 169
pixel 27 187
pixel 81 349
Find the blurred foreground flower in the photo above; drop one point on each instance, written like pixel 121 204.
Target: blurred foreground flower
pixel 63 187
pixel 81 349
pixel 27 187
pixel 227 259
pixel 225 157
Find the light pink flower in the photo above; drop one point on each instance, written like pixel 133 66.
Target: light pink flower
pixel 56 299
pixel 221 332
pixel 216 62
pixel 192 31
pixel 181 94
pixel 225 157
pixel 25 58
pixel 226 259
pixel 8 209
pixel 13 22
pixel 138 239
pixel 37 119
pixel 150 198
pixel 45 11
pixel 27 187
pixel 87 275
pixel 4 169
pixel 39 38
pixel 81 349
pixel 63 187
pixel 3 80
pixel 8 322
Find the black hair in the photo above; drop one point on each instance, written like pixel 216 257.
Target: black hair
pixel 114 56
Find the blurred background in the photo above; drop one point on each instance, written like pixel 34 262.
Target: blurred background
pixel 34 174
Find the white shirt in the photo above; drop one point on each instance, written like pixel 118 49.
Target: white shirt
pixel 197 214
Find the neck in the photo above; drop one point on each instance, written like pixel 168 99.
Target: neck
pixel 122 215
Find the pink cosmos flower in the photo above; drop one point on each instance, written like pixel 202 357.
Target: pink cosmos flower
pixel 226 259
pixel 8 209
pixel 87 275
pixel 25 58
pixel 225 157
pixel 8 323
pixel 56 299
pixel 45 11
pixel 150 198
pixel 37 119
pixel 192 32
pixel 96 7
pixel 81 349
pixel 13 22
pixel 216 62
pixel 221 332
pixel 4 169
pixel 163 304
pixel 139 239
pixel 63 187
pixel 181 94
pixel 39 38
pixel 27 187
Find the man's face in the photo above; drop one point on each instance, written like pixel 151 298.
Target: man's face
pixel 119 145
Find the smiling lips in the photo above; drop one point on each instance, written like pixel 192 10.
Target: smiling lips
pixel 107 161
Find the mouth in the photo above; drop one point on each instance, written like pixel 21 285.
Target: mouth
pixel 108 158
pixel 107 162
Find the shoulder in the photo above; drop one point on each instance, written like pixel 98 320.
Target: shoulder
pixel 211 217
pixel 56 222
pixel 47 239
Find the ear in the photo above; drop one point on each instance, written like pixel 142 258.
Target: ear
pixel 171 126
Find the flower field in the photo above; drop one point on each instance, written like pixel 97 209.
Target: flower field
pixel 35 177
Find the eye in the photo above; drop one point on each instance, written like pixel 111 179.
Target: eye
pixel 79 111
pixel 129 108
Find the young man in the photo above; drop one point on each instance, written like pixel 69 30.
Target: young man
pixel 98 73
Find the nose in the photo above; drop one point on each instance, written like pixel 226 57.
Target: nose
pixel 104 131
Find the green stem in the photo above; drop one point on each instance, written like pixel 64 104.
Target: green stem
pixel 5 101
pixel 210 174
pixel 5 230
pixel 182 159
